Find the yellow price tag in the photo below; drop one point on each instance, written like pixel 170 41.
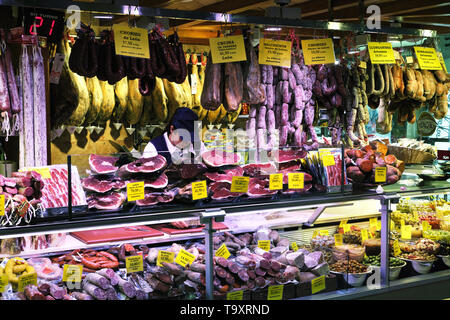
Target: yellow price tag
pixel 264 244
pixel 392 225
pixel 223 252
pixel 396 247
pixel 441 60
pixel 131 42
pixel 275 292
pixel 381 52
pixel 227 49
pixel 164 256
pixel 406 232
pixel 296 180
pixel 2 205
pixel 275 52
pixel 136 191
pixel 324 232
pixel 363 65
pixel 199 190
pixel 373 222
pixel 318 51
pixel 409 59
pixel 239 184
pixel 183 258
pixel 425 226
pixel 342 223
pixel 380 174
pixel 134 263
pixel 3 282
pixel 315 234
pixel 294 246
pixel 338 239
pixel 235 295
pixel 43 171
pixel 346 227
pixel 318 284
pixel 378 225
pixel 328 160
pixel 26 280
pixel 364 235
pixel 276 181
pixel 72 273
pixel 427 58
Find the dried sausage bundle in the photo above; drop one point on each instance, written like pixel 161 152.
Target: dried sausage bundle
pixel 84 56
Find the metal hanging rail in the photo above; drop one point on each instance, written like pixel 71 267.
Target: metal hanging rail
pixel 214 17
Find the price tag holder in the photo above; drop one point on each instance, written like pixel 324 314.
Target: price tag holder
pixel 318 284
pixel 347 228
pixel 364 235
pixel 43 171
pixel 223 252
pixel 134 263
pixel 318 51
pixel 264 244
pixel 338 239
pixel 72 273
pixel 396 247
pixel 2 205
pixel 296 180
pixel 227 49
pixel 275 292
pixel 380 174
pixel 427 58
pixel 235 295
pixel 3 282
pixel 324 232
pixel 199 190
pixel 294 246
pixel 131 42
pixel 381 52
pixel 26 280
pixel 276 181
pixel 275 52
pixel 239 184
pixel 406 232
pixel 136 191
pixel 183 258
pixel 164 256
pixel 328 160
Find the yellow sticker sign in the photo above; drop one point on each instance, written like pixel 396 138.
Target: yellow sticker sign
pixel 328 160
pixel 441 60
pixel 235 295
pixel 43 171
pixel 183 258
pixel 406 232
pixel 131 42
pixel 363 65
pixel 275 52
pixel 296 180
pixel 346 227
pixel 276 181
pixel 396 247
pixel 72 273
pixel 3 282
pixel 380 174
pixel 318 284
pixel 264 244
pixel 294 246
pixel 136 191
pixel 318 51
pixel 2 205
pixel 223 252
pixel 199 190
pixel 26 280
pixel 134 263
pixel 239 184
pixel 164 256
pixel 227 49
pixel 338 239
pixel 324 232
pixel 373 222
pixel 275 292
pixel 381 53
pixel 315 234
pixel 427 58
pixel 343 222
pixel 364 235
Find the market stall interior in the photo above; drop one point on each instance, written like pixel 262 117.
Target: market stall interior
pixel 192 150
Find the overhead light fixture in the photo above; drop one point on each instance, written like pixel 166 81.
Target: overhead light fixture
pixel 272 29
pixel 104 17
pixel 336 37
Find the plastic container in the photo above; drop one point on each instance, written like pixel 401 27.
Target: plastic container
pixel 394 272
pixel 354 279
pixel 422 267
pixel 446 260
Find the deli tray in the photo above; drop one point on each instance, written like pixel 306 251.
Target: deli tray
pixel 173 231
pixel 116 234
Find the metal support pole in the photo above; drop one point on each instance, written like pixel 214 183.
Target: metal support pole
pixel 69 187
pixel 385 236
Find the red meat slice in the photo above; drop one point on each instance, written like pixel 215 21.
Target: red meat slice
pixel 227 176
pixel 259 188
pixel 219 158
pixel 282 156
pixel 147 165
pixel 259 169
pixel 102 164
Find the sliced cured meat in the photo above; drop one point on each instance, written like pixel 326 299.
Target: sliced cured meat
pixel 225 194
pixel 158 183
pixel 190 171
pixel 216 186
pixel 227 176
pixel 282 156
pixel 93 184
pixel 306 188
pixel 259 169
pixel 147 165
pixel 307 176
pixel 149 200
pixel 259 188
pixel 290 166
pixel 167 196
pixel 219 158
pixel 109 201
pixel 102 164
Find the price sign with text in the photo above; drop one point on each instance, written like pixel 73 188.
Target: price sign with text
pixel 72 273
pixel 324 232
pixel 276 181
pixel 239 184
pixel 338 239
pixel 296 180
pixel 223 252
pixel 2 205
pixel 318 51
pixel 364 235
pixel 26 280
pixel 396 247
pixel 131 42
pixel 380 174
pixel 183 258
pixel 328 160
pixel 294 246
pixel 164 256
pixel 427 58
pixel 275 292
pixel 199 190
pixel 406 231
pixel 43 171
pixel 235 295
pixel 264 244
pixel 227 49
pixel 381 53
pixel 134 263
pixel 275 52
pixel 318 284
pixel 136 191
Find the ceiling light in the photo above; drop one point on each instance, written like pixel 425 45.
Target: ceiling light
pixel 272 29
pixel 104 17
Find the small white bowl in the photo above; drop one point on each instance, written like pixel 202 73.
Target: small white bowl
pixel 355 279
pixel 422 267
pixel 446 260
pixel 394 272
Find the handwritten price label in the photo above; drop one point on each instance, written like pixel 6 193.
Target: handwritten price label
pixel 328 160
pixel 318 284
pixel 235 295
pixel 227 49
pixel 164 256
pixel 275 292
pixel 338 239
pixel 223 252
pixel 136 191
pixel 72 273
pixel 134 264
pixel 380 174
pixel 199 190
pixel 183 258
pixel 275 52
pixel 264 244
pixel 239 184
pixel 296 180
pixel 2 205
pixel 26 280
pixel 276 181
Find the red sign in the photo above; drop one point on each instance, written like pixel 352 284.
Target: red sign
pixel 443 155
